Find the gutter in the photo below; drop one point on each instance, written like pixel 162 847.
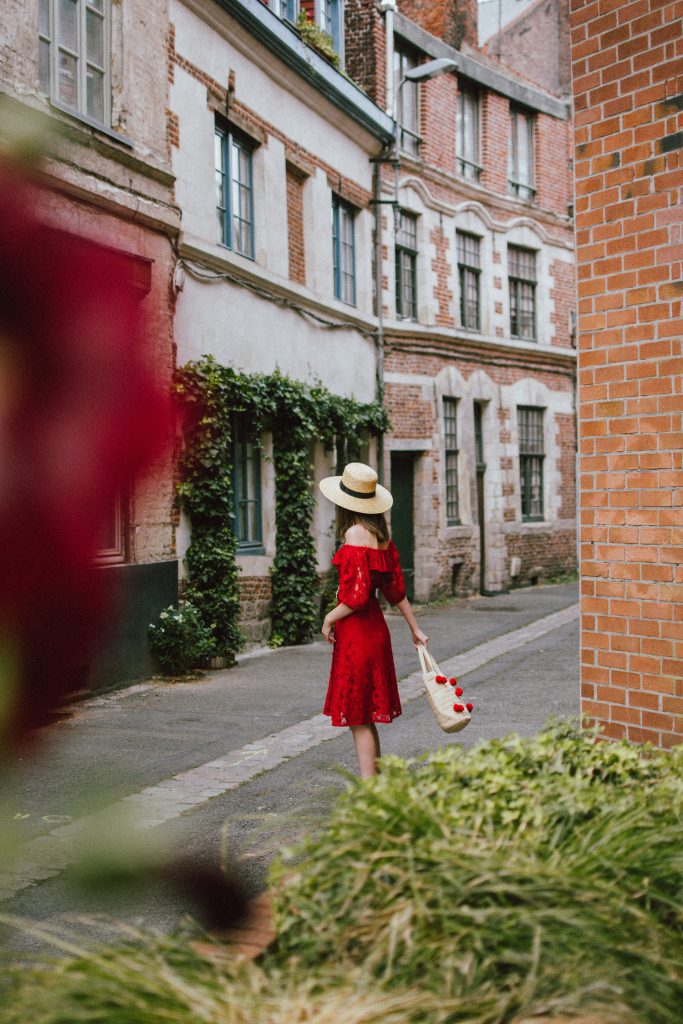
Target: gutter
pixel 286 44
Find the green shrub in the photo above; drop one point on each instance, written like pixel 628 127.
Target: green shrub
pixel 179 639
pixel 524 871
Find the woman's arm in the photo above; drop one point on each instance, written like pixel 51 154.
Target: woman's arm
pixel 340 612
pixel 407 612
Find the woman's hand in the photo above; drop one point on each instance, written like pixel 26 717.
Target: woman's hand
pixel 419 637
pixel 327 630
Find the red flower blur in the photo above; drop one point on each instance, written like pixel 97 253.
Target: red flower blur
pixel 79 415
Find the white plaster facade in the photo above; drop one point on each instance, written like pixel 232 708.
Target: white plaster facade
pixel 250 313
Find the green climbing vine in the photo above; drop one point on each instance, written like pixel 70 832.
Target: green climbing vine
pixel 297 415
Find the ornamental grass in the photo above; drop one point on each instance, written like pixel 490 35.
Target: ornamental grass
pixel 518 875
pixel 522 882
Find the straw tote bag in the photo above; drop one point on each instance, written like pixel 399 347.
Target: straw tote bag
pixel 442 695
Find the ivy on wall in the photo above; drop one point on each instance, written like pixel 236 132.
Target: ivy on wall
pixel 297 415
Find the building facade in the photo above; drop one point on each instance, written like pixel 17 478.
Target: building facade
pixel 72 76
pixel 628 94
pixel 272 154
pixel 478 301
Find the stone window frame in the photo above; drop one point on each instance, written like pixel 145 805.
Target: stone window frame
pixel 51 45
pixel 450 411
pixel 522 287
pixel 468 269
pixel 532 456
pixel 406 250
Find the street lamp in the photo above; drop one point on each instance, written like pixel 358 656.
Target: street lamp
pixel 421 73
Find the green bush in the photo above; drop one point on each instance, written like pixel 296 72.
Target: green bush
pixel 525 873
pixel 179 639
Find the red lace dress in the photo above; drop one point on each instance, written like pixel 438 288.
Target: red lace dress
pixel 362 686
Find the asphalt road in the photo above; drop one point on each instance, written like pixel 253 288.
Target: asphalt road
pixel 118 745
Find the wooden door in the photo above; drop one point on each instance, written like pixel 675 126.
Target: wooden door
pixel 402 515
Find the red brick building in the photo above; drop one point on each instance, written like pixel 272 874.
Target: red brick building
pixel 628 93
pixel 478 305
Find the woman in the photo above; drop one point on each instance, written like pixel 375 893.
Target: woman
pixel 362 688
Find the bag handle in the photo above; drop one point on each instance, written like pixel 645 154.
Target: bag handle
pixel 426 660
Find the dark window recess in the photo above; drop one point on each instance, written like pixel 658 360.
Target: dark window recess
pixel 246 486
pixel 450 422
pixel 344 250
pixel 468 134
pixel 469 272
pixel 234 191
pixel 531 456
pixel 522 286
pixel 521 178
pixel 406 266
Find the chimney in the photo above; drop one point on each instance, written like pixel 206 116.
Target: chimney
pixel 454 21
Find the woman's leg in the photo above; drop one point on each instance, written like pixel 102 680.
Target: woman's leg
pixel 366 740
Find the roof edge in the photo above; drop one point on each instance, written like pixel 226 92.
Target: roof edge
pixel 527 95
pixel 283 41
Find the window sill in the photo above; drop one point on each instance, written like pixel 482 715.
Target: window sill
pixel 90 122
pixel 535 524
pixel 246 549
pixel 252 259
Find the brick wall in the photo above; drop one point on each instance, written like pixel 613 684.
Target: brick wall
pixel 628 92
pixel 532 42
pixel 495 132
pixel 454 21
pixel 254 618
pixel 295 225
pixel 364 47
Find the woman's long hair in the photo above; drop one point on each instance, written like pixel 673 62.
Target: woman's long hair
pixel 375 523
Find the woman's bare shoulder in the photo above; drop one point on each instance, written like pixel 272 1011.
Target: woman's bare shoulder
pixel 357 536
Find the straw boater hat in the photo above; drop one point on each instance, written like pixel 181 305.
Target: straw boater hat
pixel 357 489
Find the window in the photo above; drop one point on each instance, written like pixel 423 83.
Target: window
pixel 234 191
pixel 111 541
pixel 406 266
pixel 285 9
pixel 343 251
pixel 522 283
pixel 521 154
pixel 73 55
pixel 246 486
pixel 329 18
pixel 530 425
pixel 469 269
pixel 467 134
pixel 407 102
pixel 450 422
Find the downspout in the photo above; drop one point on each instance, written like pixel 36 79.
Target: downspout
pixel 387 7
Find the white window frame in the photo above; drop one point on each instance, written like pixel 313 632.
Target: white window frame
pixel 49 38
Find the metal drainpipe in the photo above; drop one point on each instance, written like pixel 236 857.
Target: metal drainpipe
pixel 387 7
pixel 377 195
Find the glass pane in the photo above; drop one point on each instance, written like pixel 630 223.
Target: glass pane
pixel 95 89
pixel 98 5
pixel 68 24
pixel 67 80
pixel 44 66
pixel 218 151
pixel 95 35
pixel 44 18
